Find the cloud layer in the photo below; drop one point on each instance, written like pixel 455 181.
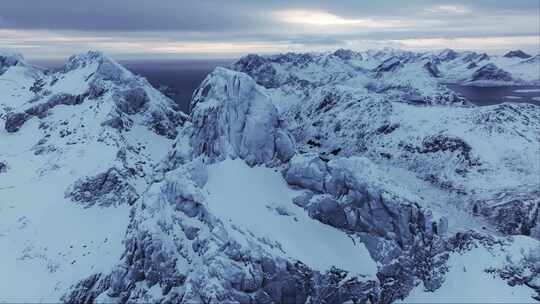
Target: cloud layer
pixel 145 28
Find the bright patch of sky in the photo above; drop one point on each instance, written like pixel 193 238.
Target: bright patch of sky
pixel 141 29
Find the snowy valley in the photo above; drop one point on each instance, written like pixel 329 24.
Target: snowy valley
pixel 342 177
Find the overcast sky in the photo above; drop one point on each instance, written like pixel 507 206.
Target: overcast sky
pixel 225 29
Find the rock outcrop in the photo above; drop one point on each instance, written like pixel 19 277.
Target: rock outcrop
pixel 176 247
pixel 106 189
pixel 491 72
pixel 233 117
pixel 351 194
pixel 518 54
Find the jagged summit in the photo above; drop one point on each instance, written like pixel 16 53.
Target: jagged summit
pixel 82 59
pixel 93 77
pixel 233 117
pixel 100 64
pixel 419 72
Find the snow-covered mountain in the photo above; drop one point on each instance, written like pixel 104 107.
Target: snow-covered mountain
pixel 78 148
pixel 346 177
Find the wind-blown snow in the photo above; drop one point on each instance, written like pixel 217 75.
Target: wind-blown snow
pixel 252 199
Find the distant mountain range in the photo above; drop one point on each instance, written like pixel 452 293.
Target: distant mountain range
pixel 342 177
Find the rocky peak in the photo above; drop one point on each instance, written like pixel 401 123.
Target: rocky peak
pixel 233 116
pixel 84 59
pixel 11 59
pixel 346 54
pixel 474 56
pixel 518 54
pixel 448 54
pixel 8 60
pixel 98 65
pixel 388 65
pixel 260 68
pixel 94 77
pixel 491 72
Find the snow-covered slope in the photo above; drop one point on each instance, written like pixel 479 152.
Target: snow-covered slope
pixel 397 75
pixel 349 177
pixel 467 168
pixel 76 154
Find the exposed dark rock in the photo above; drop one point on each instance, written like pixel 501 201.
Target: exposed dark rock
pixel 157 253
pixel 442 143
pixel 14 121
pixel 387 129
pixel 388 65
pixel 447 55
pixel 132 101
pixel 491 72
pixel 110 188
pixel 37 86
pixel 472 65
pixel 40 110
pixel 474 57
pixel 349 203
pixel 87 290
pixel 327 102
pixel 344 54
pixel 260 69
pixel 432 69
pixel 518 54
pixel 118 121
pixel 513 212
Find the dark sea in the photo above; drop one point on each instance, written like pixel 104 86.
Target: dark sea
pixel 486 96
pixel 176 78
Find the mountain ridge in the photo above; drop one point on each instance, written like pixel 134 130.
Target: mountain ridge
pixel 142 203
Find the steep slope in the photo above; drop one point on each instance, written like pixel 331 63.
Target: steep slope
pixel 414 215
pixel 198 236
pixel 232 116
pixel 78 148
pixel 471 167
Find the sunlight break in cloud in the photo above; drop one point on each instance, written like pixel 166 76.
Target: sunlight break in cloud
pixel 448 9
pixel 322 18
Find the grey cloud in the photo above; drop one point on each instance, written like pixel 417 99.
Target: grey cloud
pixel 119 25
pixel 209 15
pixel 123 15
